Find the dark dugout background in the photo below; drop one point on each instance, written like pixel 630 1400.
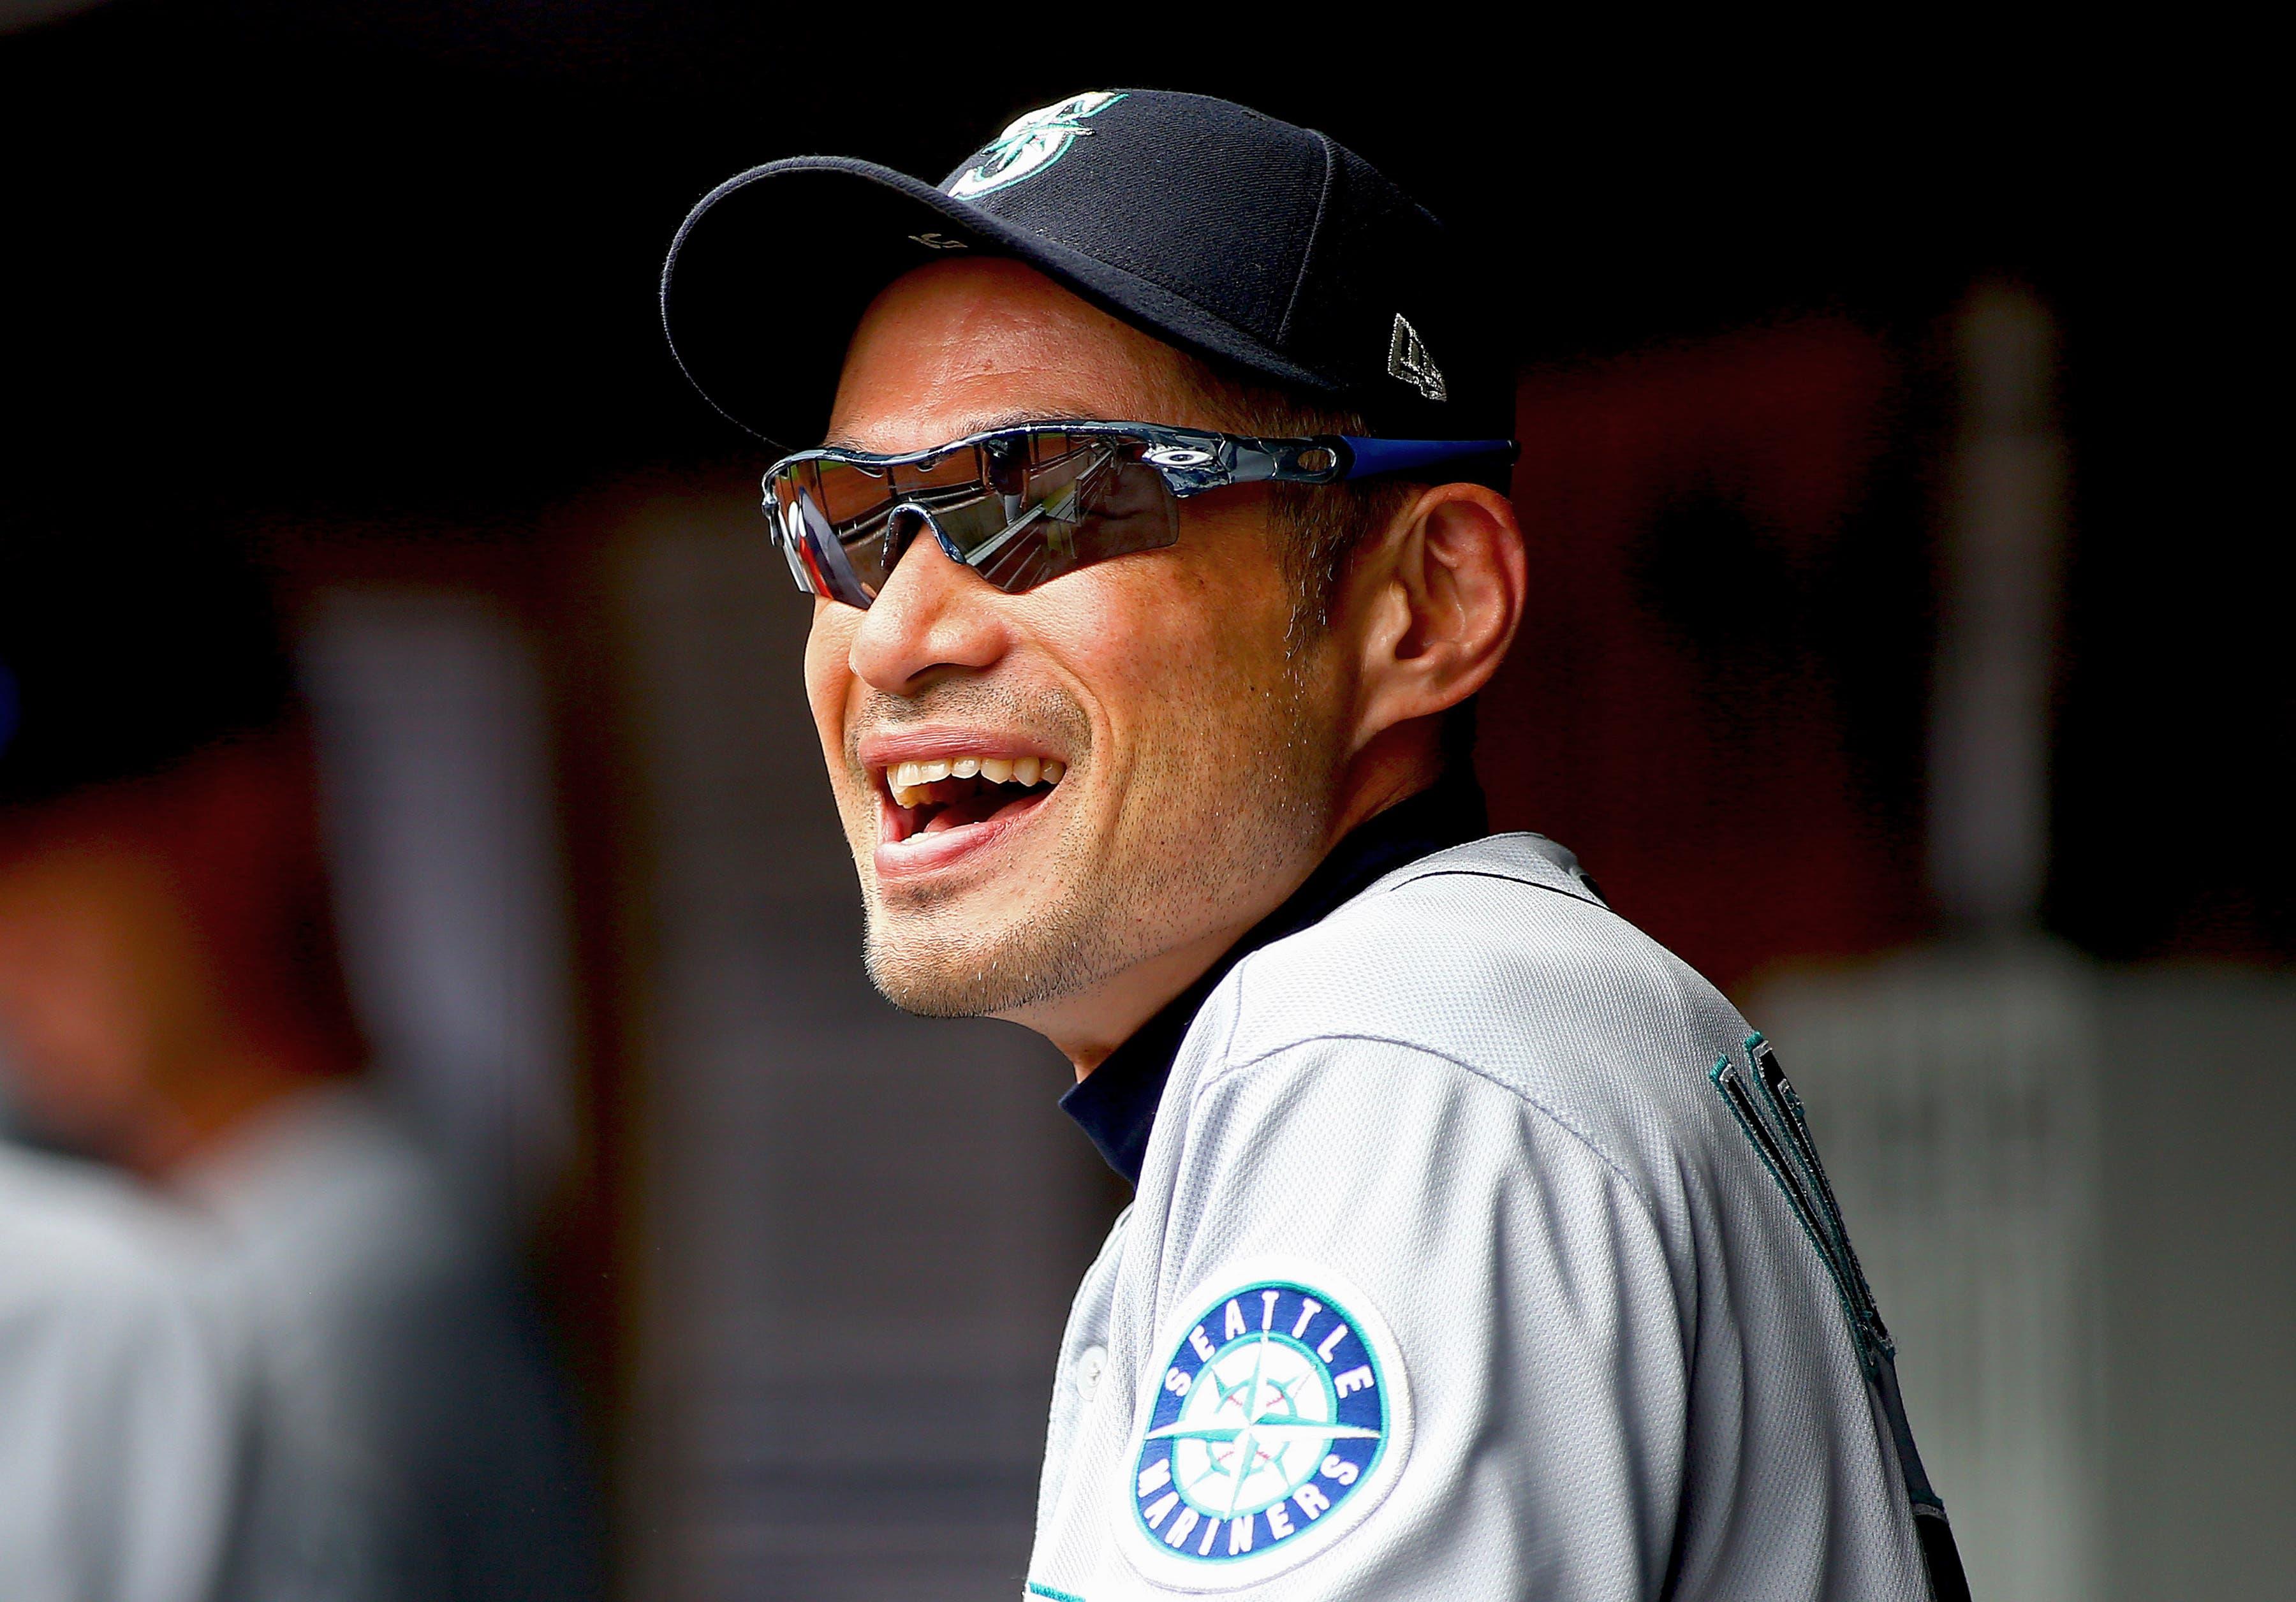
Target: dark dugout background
pixel 372 288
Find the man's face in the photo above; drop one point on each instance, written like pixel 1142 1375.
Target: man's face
pixel 95 966
pixel 1196 760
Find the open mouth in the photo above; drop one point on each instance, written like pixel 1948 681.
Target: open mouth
pixel 932 798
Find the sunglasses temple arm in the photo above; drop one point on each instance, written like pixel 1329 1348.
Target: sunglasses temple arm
pixel 1368 458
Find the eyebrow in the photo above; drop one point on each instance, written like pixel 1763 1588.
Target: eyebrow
pixel 986 422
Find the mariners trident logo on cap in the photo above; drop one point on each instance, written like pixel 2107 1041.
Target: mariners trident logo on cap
pixel 1032 143
pixel 1278 1418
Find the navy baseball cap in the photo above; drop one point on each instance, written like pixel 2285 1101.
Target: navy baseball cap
pixel 1271 251
pixel 119 657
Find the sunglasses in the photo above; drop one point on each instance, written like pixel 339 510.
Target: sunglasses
pixel 1023 505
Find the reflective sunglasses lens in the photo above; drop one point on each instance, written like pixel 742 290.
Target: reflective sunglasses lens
pixel 872 507
pixel 1020 508
pixel 821 563
pixel 1086 498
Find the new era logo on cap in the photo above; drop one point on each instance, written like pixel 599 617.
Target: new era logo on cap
pixel 1407 359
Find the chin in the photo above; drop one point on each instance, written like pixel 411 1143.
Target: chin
pixel 939 965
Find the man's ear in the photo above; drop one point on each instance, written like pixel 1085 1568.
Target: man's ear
pixel 1442 598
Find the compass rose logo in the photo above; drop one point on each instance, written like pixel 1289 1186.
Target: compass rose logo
pixel 1273 1411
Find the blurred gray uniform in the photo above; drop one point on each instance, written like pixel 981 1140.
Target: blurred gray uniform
pixel 1458 1269
pixel 411 1447
pixel 123 1415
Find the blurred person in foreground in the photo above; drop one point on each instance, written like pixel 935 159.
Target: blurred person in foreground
pixel 1158 545
pixel 171 1005
pixel 125 1427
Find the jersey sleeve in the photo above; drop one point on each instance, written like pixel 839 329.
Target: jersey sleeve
pixel 123 1441
pixel 1418 1338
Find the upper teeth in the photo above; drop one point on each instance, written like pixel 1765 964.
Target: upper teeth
pixel 905 779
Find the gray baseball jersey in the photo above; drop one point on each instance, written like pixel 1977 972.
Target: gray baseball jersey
pixel 1479 1253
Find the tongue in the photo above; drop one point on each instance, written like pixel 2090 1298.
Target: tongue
pixel 978 808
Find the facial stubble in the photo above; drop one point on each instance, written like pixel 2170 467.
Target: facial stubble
pixel 1232 797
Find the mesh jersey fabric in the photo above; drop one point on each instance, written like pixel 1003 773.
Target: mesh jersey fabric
pixel 1480 1099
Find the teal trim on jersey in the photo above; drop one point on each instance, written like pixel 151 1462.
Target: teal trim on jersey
pixel 1877 1353
pixel 1786 1104
pixel 1809 1182
pixel 1038 1589
pixel 1731 1084
pixel 1759 1084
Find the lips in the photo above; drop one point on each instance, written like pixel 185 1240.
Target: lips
pixel 941 801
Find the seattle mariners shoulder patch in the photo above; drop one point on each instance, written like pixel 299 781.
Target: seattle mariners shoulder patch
pixel 1281 1416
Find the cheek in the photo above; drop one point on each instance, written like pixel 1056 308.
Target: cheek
pixel 1209 623
pixel 1177 647
pixel 828 678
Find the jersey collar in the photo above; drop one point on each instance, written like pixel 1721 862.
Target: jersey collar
pixel 1116 1103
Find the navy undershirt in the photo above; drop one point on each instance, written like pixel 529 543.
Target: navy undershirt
pixel 1116 1103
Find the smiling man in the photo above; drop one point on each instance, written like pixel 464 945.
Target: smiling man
pixel 1159 549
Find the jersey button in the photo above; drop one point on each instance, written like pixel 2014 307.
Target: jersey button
pixel 1091 1363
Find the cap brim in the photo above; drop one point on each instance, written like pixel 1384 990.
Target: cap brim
pixel 769 275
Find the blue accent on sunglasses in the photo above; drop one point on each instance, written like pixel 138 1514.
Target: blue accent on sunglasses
pixel 1369 458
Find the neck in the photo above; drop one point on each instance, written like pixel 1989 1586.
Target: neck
pixel 1089 1025
pixel 1086 1027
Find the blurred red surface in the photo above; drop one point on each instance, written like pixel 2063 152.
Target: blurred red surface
pixel 1676 709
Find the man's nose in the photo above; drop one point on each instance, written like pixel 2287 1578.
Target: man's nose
pixel 933 614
